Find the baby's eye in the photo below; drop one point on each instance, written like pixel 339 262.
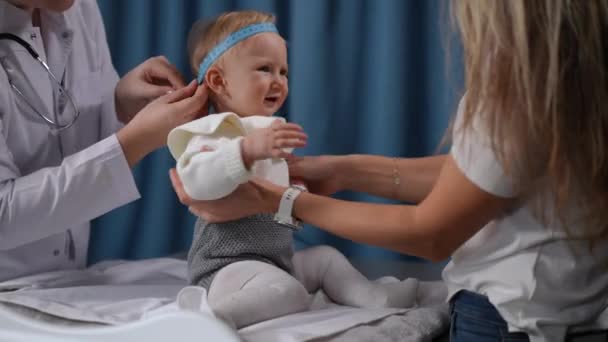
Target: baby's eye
pixel 284 73
pixel 265 68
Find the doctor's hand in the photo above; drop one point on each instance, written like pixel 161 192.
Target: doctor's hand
pixel 255 197
pixel 321 174
pixel 148 81
pixel 149 128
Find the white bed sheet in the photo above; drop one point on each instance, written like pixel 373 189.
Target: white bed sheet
pixel 330 322
pixel 118 292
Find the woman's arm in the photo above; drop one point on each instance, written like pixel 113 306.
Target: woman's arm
pixel 453 212
pixel 377 175
pixel 404 179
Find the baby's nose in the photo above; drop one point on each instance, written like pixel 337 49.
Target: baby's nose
pixel 279 83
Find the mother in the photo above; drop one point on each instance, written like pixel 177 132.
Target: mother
pixel 520 203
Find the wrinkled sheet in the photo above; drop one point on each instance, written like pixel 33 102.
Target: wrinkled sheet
pixel 330 322
pixel 118 292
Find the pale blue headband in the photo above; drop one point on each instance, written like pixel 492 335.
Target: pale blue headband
pixel 230 41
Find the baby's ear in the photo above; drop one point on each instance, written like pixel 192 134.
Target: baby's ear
pixel 215 81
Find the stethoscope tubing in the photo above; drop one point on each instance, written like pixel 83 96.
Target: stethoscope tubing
pixel 54 125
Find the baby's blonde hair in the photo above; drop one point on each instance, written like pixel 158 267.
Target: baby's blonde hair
pixel 205 35
pixel 537 79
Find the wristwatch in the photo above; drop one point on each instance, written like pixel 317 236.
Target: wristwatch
pixel 283 216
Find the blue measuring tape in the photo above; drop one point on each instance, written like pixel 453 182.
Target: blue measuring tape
pixel 230 41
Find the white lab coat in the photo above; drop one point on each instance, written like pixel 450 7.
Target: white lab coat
pixel 46 200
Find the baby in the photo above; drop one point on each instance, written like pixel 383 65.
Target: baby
pixel 248 266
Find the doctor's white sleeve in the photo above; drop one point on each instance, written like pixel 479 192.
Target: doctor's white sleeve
pixel 212 174
pixel 52 200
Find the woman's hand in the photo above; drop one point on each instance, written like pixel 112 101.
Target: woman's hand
pixel 271 142
pixel 148 81
pixel 323 175
pixel 150 127
pixel 251 198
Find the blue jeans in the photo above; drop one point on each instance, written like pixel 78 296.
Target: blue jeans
pixel 474 318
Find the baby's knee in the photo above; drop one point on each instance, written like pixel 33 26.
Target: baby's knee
pixel 294 293
pixel 326 250
pixel 322 252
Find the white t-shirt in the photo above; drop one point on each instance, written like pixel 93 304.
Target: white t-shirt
pixel 529 271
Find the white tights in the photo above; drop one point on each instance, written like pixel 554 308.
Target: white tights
pixel 248 292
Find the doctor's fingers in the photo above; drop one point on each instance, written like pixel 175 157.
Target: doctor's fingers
pixel 194 105
pixel 153 91
pixel 159 69
pixel 179 94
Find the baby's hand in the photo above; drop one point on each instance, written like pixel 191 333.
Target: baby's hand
pixel 270 142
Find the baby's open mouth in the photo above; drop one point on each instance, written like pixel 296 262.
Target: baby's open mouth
pixel 271 100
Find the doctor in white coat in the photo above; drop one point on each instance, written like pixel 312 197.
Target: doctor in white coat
pixel 66 158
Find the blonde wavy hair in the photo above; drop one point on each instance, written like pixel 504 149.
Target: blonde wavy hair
pixel 536 77
pixel 206 34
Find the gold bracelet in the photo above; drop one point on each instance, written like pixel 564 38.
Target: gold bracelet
pixel 396 176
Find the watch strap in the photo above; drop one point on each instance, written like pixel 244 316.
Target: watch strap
pixel 284 214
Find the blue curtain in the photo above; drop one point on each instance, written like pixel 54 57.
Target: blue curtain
pixel 366 76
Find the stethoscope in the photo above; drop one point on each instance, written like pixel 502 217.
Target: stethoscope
pixel 54 124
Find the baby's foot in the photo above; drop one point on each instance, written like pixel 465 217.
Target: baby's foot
pixel 193 298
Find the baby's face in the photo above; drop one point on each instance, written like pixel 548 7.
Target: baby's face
pixel 255 76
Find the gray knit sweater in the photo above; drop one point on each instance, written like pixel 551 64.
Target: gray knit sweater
pixel 256 237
